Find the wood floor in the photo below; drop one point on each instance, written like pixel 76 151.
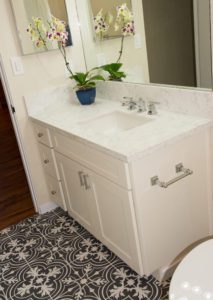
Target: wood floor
pixel 15 199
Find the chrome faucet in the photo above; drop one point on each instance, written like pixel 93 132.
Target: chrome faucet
pixel 132 105
pixel 141 105
pixel 152 107
pixel 128 101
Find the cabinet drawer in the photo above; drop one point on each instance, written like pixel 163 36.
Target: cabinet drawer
pixel 111 168
pixel 55 192
pixel 48 161
pixel 42 134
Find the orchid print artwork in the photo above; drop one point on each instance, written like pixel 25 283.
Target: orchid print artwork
pixel 124 22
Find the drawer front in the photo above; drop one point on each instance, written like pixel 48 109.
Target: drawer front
pixel 42 134
pixel 105 165
pixel 55 192
pixel 48 161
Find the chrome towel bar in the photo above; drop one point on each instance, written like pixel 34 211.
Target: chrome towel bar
pixel 179 168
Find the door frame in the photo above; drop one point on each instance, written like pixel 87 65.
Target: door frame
pixel 14 121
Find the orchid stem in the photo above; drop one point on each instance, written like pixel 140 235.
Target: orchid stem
pixel 40 36
pixel 121 49
pixel 63 52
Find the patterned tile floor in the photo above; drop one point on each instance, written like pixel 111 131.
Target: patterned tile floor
pixel 51 256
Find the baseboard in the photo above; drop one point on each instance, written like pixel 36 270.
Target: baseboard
pixel 47 207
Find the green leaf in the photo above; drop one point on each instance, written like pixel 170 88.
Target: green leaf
pixel 96 77
pixel 80 77
pixel 112 67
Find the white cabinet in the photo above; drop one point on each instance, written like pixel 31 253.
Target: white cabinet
pixel 102 207
pixel 117 220
pixel 147 226
pixel 80 201
pixel 49 165
pixel 170 219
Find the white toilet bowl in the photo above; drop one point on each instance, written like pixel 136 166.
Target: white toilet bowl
pixel 193 278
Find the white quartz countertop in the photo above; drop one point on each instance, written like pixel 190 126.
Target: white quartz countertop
pixel 70 118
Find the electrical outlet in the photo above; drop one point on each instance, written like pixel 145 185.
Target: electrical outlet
pixel 17 65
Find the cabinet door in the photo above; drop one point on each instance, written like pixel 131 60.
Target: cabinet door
pixel 170 219
pixel 79 197
pixel 117 220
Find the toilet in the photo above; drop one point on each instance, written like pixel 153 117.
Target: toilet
pixel 193 278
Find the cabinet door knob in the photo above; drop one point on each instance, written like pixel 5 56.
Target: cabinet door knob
pixel 86 184
pixel 46 161
pixel 40 134
pixel 53 192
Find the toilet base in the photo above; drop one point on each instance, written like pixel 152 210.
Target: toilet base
pixel 166 272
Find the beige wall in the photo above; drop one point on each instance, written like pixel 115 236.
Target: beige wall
pixel 41 71
pixel 170 41
pixel 58 9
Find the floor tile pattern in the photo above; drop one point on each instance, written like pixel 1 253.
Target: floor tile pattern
pixel 52 257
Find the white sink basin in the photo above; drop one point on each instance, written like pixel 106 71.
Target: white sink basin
pixel 115 122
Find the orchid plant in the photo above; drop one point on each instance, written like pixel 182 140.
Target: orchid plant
pixel 102 23
pixel 124 22
pixel 55 33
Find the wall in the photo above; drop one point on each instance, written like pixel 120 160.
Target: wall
pixel 58 9
pixel 202 42
pixel 135 66
pixel 41 71
pixel 170 41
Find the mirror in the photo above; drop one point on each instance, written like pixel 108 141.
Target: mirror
pixel 24 10
pixel 171 45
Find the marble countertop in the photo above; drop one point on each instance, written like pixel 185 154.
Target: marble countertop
pixel 70 118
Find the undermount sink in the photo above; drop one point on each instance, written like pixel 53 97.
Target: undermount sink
pixel 115 122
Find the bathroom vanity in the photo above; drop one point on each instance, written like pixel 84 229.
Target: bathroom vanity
pixel 138 183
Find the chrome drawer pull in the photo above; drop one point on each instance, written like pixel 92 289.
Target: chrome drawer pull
pixel 80 175
pixel 46 161
pixel 86 184
pixel 40 134
pixel 179 168
pixel 53 192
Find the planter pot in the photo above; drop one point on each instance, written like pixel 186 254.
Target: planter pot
pixel 117 79
pixel 86 97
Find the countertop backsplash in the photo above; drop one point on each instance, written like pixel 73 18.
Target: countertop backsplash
pixel 188 101
pixel 183 100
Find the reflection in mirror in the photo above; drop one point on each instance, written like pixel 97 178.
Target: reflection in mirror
pixel 171 45
pixel 25 10
pixel 107 9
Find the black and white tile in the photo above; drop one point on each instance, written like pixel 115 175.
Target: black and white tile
pixel 52 257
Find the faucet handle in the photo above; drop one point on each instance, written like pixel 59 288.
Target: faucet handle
pixel 141 105
pixel 152 107
pixel 126 100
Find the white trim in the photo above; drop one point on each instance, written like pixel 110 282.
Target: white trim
pixel 8 97
pixel 48 206
pixel 197 41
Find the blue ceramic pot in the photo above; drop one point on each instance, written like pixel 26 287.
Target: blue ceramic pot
pixel 86 97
